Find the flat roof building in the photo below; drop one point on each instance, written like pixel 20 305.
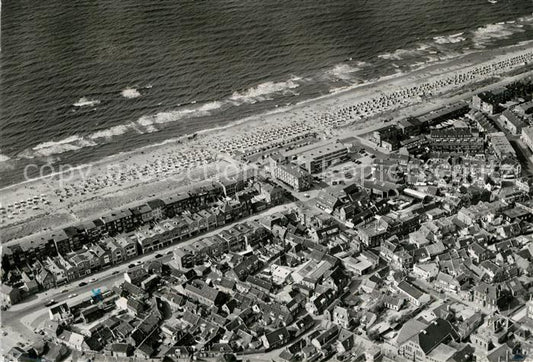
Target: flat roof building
pixel 501 145
pixel 318 156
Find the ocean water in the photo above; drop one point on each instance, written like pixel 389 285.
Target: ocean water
pixel 81 80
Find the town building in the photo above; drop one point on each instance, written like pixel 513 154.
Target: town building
pixel 501 145
pixel 455 140
pixel 527 137
pixel 292 175
pixel 316 157
pixel 512 122
pixel 490 101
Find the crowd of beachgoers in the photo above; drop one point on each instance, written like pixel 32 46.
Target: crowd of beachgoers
pixel 407 96
pixel 123 174
pixel 264 138
pixel 113 176
pixel 23 206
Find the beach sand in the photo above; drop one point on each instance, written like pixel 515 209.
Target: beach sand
pixel 124 179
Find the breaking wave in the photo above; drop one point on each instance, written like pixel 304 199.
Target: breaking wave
pixel 485 35
pixel 449 39
pixel 264 91
pixel 145 124
pixel 86 102
pixel 130 93
pixel 400 54
pixel 111 132
pixel 154 122
pixel 50 148
pixel 344 71
pixel 173 116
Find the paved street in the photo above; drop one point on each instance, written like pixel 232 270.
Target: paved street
pixel 21 319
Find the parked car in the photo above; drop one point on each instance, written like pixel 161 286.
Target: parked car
pixel 49 303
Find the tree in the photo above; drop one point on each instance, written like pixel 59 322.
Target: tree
pixel 377 308
pixel 373 335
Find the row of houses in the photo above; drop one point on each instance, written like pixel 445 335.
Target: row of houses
pixel 50 265
pixel 72 238
pixel 237 238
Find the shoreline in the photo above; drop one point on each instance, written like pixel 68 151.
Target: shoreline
pixel 278 110
pixel 120 179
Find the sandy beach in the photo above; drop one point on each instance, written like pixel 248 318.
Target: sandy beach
pixel 86 191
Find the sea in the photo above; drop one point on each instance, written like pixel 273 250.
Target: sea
pixel 81 80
